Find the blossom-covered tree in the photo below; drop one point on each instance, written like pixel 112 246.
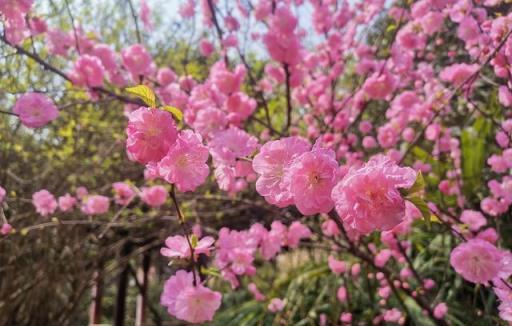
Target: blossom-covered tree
pixel 319 162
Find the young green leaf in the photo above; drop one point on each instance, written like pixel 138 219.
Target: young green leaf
pixel 418 186
pixel 145 93
pixel 422 206
pixel 174 111
pixel 193 240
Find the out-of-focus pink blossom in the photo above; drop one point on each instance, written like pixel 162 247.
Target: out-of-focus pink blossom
pixel 66 202
pixel 88 72
pixel 276 305
pixel 154 196
pixel 476 260
pixel 35 110
pixel 44 202
pixel 123 193
pixel 95 205
pixel 137 60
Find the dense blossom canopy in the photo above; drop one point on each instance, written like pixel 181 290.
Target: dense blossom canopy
pixel 289 162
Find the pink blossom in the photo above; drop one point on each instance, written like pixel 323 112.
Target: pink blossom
pixel 505 96
pixel 11 9
pixel 66 202
pixel 240 107
pixel 312 176
pixel 228 145
pixel 225 176
pixel 166 76
pixel 206 47
pixel 382 257
pixel 296 232
pixel 432 22
pixel 136 59
pixel 107 56
pixel 197 304
pixel 258 296
pixel 173 287
pixel 276 305
pixel 37 26
pixel 379 85
pixel 336 266
pixel 440 310
pixel 6 229
pixel 272 163
pixel 81 192
pixel 178 247
pixel 273 241
pixel 209 121
pixel 346 317
pixel 392 315
pixel 2 194
pixel 227 82
pixel 44 202
pixel 95 205
pixel 468 29
pixel 151 133
pixel 59 42
pixel 35 110
pixel 488 235
pixel 330 228
pixel 474 219
pixel 282 42
pixel 429 284
pixel 145 15
pixel 154 196
pixel 185 163
pixel 187 9
pixel 458 73
pixel 88 72
pixel 123 193
pixel 367 199
pixel 477 261
pixel 341 294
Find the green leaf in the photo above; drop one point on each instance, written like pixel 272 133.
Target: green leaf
pixel 422 206
pixel 210 271
pixel 416 189
pixel 174 111
pixel 145 93
pixel 418 186
pixel 193 241
pixel 474 147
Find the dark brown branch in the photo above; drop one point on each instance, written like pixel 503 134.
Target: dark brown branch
pixel 288 99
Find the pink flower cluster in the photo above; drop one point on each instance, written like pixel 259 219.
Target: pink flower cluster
pixel 90 204
pixel 177 157
pixel 236 250
pixel 13 13
pixel 187 301
pixel 291 173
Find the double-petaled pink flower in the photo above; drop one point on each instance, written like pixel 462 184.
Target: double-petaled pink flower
pixel 368 198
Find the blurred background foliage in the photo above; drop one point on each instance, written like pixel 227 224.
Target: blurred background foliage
pixel 48 266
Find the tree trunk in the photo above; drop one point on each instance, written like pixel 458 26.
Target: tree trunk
pixel 122 287
pixel 142 276
pixel 96 295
